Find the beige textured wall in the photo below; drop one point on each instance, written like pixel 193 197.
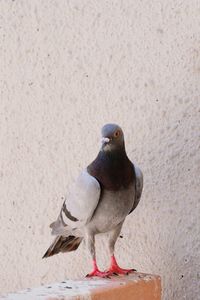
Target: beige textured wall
pixel 67 68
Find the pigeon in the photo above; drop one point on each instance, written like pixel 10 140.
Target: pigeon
pixel 103 195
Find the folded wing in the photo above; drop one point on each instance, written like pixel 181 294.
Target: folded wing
pixel 138 186
pixel 78 208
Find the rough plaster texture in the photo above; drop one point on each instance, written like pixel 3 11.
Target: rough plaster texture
pixel 67 68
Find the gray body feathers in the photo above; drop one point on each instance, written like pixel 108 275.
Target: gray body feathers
pixel 104 217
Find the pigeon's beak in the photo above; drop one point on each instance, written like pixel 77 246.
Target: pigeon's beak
pixel 105 140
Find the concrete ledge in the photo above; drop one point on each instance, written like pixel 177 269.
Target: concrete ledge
pixel 136 286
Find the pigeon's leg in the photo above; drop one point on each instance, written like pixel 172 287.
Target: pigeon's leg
pixel 91 246
pixel 114 267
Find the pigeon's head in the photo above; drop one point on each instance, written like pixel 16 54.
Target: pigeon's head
pixel 112 137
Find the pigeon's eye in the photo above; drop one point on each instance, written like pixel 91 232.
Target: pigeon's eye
pixel 117 134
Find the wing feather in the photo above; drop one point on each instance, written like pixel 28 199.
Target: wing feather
pixel 78 208
pixel 138 186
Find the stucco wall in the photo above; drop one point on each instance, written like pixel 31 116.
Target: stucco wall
pixel 69 67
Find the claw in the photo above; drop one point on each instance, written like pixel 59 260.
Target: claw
pixel 98 273
pixel 116 270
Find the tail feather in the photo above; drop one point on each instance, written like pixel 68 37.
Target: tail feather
pixel 63 244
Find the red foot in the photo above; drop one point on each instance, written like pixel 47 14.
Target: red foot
pixel 97 272
pixel 116 270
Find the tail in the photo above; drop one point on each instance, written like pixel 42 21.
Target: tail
pixel 63 244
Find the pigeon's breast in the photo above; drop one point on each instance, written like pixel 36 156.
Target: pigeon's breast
pixel 112 209
pixel 113 172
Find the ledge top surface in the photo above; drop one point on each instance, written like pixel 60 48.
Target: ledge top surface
pixel 73 289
